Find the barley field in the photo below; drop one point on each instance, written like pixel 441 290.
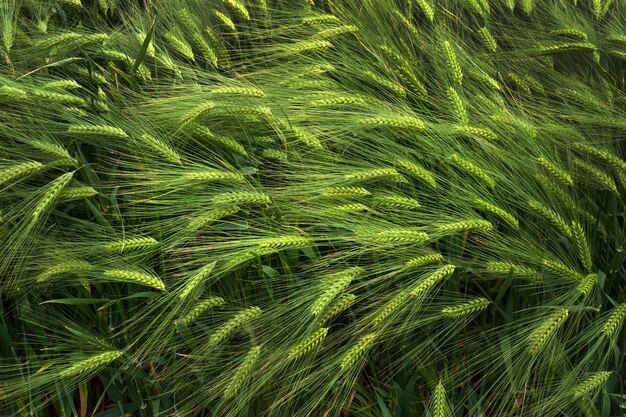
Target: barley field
pixel 326 208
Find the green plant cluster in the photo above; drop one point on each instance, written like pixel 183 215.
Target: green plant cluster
pixel 300 208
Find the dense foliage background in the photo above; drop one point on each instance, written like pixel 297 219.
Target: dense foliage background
pixel 312 208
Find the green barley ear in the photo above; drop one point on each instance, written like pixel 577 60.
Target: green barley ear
pixel 544 332
pixel 603 155
pixel 501 213
pixel 458 106
pixel 418 172
pixel 481 225
pixel 596 175
pixel 562 270
pixel 517 270
pixel 161 148
pixel 98 130
pixel 334 284
pixel 345 192
pixel 427 9
pixel 390 307
pixel 582 247
pixel 308 344
pixel 427 259
pixel 551 216
pixel 591 383
pixel 394 201
pixel 433 279
pixel 199 308
pixel 340 304
pixel 136 277
pixel 398 122
pixel 19 170
pixel 472 169
pixel 439 403
pixel 195 280
pixel 614 321
pixel 238 320
pixel 488 39
pixel 357 351
pixel 52 193
pixel 587 284
pixel 77 193
pixel 376 173
pixel 69 267
pixel 242 372
pixel 465 309
pixel 93 363
pixel 132 244
pixel 282 242
pixel 452 61
pixel 397 237
pixel 557 172
pixel 241 198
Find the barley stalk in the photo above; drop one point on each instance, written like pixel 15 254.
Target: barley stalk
pixel 213 215
pixel 595 174
pixel 198 112
pixel 207 176
pixel 427 9
pixel 376 173
pixel 603 155
pixel 439 403
pixel 391 306
pixel 581 244
pixel 488 39
pixel 557 172
pixel 285 242
pixel 427 259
